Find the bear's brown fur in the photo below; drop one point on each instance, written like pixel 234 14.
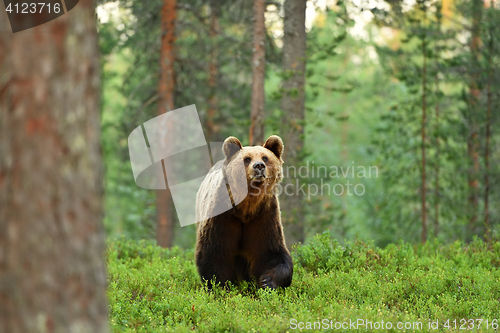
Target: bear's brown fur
pixel 245 242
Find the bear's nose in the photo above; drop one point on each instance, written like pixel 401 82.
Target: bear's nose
pixel 259 166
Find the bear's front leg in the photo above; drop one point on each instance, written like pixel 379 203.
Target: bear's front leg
pixel 216 248
pixel 263 244
pixel 275 270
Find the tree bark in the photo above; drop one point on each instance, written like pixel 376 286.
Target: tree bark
pixel 487 163
pixel 424 121
pixel 472 139
pixel 294 53
pixel 256 136
pixel 437 123
pixel 438 151
pixel 487 232
pixel 164 202
pixel 213 72
pixel 52 271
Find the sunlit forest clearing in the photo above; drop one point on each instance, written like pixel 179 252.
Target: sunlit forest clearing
pixel 374 122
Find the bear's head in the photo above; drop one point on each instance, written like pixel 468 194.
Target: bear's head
pixel 262 166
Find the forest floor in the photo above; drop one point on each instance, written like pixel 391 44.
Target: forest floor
pixel 355 287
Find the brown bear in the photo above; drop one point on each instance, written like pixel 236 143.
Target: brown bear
pixel 246 240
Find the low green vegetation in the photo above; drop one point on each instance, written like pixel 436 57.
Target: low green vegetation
pixel 355 285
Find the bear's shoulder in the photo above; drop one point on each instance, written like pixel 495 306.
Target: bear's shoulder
pixel 212 198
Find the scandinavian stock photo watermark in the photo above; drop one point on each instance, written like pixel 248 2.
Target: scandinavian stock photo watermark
pixel 170 151
pixel 312 180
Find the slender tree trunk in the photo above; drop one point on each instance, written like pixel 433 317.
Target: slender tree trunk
pixel 472 142
pixel 294 47
pixel 164 203
pixel 436 129
pixel 344 133
pixel 424 120
pixel 52 272
pixel 487 164
pixel 213 71
pixel 488 132
pixel 438 151
pixel 256 136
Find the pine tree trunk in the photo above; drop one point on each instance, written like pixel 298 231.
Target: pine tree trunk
pixel 213 72
pixel 52 271
pixel 487 164
pixel 164 202
pixel 437 123
pixel 488 130
pixel 472 142
pixel 294 47
pixel 438 151
pixel 424 121
pixel 256 136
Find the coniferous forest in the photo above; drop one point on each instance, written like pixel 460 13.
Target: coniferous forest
pixel 389 115
pixel 396 138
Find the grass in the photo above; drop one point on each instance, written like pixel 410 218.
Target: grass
pixel 159 290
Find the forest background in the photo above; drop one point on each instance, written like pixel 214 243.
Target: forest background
pixel 405 90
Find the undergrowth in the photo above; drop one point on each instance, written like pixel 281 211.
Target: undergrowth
pixel 158 290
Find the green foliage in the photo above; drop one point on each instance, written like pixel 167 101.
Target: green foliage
pixel 131 48
pixel 158 290
pixel 444 83
pixel 363 108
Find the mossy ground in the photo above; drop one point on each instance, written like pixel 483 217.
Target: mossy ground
pixel 159 290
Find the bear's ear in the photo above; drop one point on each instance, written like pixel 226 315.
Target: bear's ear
pixel 231 146
pixel 275 145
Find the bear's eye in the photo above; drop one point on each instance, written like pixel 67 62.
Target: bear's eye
pixel 247 160
pixel 265 159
